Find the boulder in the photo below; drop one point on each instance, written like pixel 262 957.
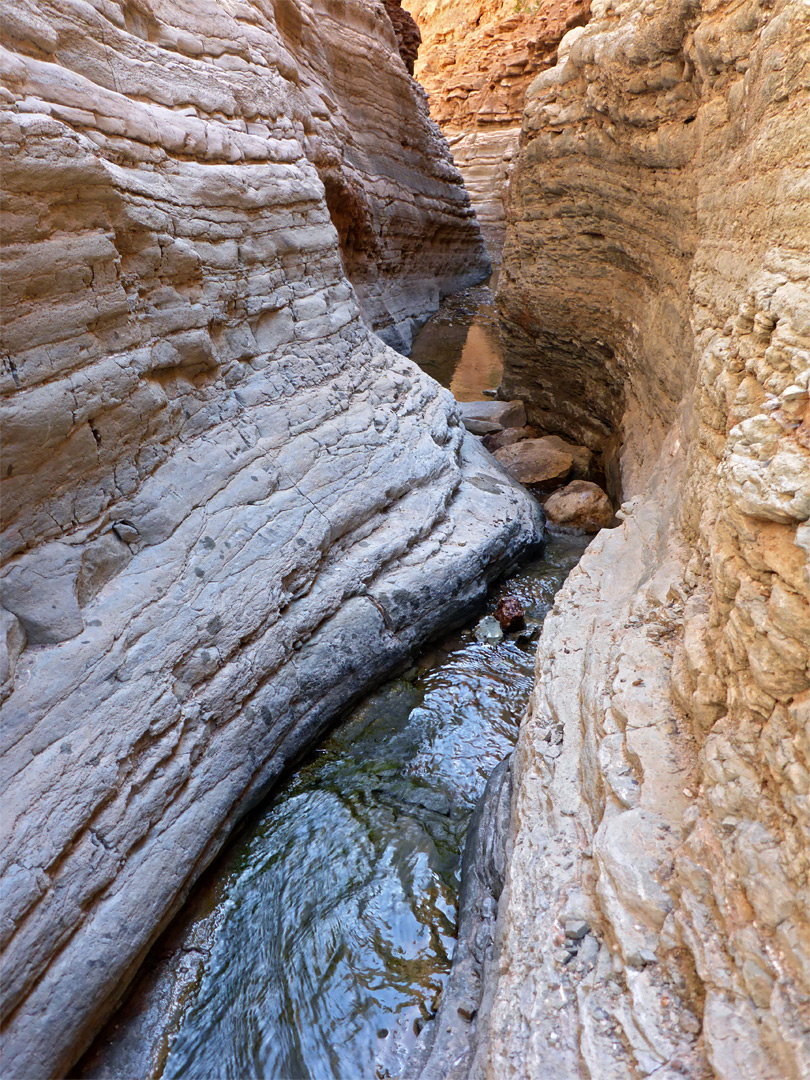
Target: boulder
pixel 509 414
pixel 580 505
pixel 508 437
pixel 482 427
pixel 583 457
pixel 510 614
pixel 533 462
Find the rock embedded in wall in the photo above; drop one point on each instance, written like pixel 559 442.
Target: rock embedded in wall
pixel 654 916
pixel 228 506
pixel 476 61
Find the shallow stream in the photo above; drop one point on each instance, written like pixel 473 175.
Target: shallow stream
pixel 319 946
pixel 460 346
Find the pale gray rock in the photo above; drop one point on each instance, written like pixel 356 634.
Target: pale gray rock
pixel 228 506
pixel 481 427
pixel 40 589
pixel 507 414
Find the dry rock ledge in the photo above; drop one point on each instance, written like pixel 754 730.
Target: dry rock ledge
pixel 228 506
pixel 655 912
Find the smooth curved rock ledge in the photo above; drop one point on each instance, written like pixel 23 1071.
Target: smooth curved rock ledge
pixel 228 507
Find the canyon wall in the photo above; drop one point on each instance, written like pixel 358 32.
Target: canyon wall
pixel 228 506
pixel 476 61
pixel 655 918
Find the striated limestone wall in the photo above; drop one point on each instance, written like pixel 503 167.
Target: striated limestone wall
pixel 476 60
pixel 655 918
pixel 228 506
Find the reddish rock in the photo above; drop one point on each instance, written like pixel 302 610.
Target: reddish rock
pixel 509 437
pixel 580 505
pixel 510 614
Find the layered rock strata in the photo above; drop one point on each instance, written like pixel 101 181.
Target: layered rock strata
pixel 228 506
pixel 408 36
pixel 655 914
pixel 476 61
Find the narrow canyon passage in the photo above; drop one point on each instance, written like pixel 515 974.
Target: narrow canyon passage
pixel 319 944
pixel 279 464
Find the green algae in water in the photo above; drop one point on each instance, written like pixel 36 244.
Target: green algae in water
pixel 335 928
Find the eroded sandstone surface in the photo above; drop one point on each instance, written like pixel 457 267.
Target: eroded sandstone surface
pixel 476 61
pixel 228 506
pixel 655 917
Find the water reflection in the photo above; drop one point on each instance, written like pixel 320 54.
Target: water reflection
pixel 460 345
pixel 335 922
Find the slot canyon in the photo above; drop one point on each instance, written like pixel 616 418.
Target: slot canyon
pixel 405 584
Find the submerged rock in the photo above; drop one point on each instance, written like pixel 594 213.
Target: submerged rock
pixel 510 614
pixel 488 631
pixel 579 505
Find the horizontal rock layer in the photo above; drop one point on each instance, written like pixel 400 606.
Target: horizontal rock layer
pixel 228 506
pixel 656 290
pixel 476 61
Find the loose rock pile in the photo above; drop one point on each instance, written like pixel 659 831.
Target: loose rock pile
pixel 559 473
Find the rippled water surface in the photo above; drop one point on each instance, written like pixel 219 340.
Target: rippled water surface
pixel 335 915
pixel 460 346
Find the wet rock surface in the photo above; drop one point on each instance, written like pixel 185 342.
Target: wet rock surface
pixel 460 346
pixel 510 614
pixel 446 1044
pixel 319 942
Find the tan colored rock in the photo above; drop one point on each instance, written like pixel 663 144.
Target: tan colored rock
pixel 582 456
pixel 532 463
pixel 656 290
pixel 476 61
pixel 227 505
pixel 508 437
pixel 579 505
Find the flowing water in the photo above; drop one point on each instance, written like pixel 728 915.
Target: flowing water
pixel 319 945
pixel 330 924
